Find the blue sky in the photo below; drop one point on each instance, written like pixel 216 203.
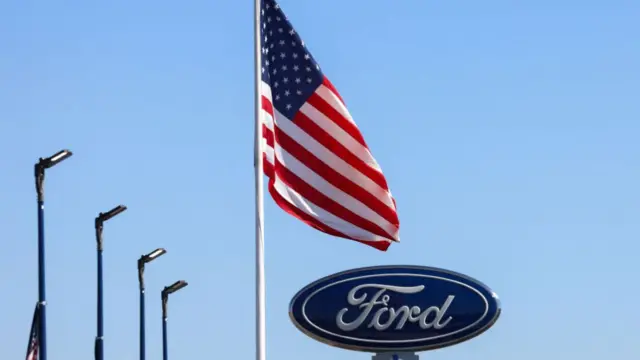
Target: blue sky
pixel 508 132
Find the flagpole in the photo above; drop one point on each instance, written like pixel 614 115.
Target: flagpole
pixel 259 191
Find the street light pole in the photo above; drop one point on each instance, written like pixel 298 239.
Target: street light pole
pixel 39 171
pixel 144 259
pixel 99 223
pixel 165 298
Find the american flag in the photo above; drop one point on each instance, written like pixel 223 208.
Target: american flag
pixel 32 348
pixel 319 167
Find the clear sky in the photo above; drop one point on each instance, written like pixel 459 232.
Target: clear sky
pixel 508 132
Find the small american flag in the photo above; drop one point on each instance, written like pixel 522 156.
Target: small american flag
pixel 32 348
pixel 319 167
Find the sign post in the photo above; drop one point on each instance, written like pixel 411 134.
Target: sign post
pixel 395 356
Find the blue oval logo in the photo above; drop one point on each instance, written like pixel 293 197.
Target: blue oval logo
pixel 394 308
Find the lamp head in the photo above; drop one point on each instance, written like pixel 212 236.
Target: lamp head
pixel 102 217
pixel 153 255
pixel 54 159
pixel 173 287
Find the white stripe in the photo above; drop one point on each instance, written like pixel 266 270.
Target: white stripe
pixel 326 188
pixel 327 95
pixel 268 151
pixel 334 100
pixel 332 160
pixel 265 90
pixel 320 184
pixel 267 120
pixel 340 135
pixel 335 162
pixel 328 219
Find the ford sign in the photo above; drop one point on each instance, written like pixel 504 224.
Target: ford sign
pixel 394 308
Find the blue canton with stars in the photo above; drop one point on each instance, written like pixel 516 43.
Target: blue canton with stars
pixel 287 65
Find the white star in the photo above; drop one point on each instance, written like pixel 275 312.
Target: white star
pixel 298 80
pixel 263 70
pixel 293 43
pixel 284 67
pixel 286 93
pixel 280 30
pixel 262 12
pixel 275 84
pixel 268 18
pixel 277 97
pixel 278 18
pixel 273 58
pixel 298 92
pixel 308 68
pixel 285 80
pixel 270 32
pixel 309 80
pixel 295 55
pixel 291 32
pixel 317 67
pixel 282 55
pixel 295 67
pixel 277 6
pixel 275 71
pixel 265 39
pixel 281 42
pixel 268 6
pixel 267 62
pixel 307 57
pixel 288 106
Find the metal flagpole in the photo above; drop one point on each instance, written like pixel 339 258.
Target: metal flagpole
pixel 395 356
pixel 259 203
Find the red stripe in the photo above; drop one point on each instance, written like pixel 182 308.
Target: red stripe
pixel 335 178
pixel 329 111
pixel 328 84
pixel 266 105
pixel 267 168
pixel 319 199
pixel 309 220
pixel 329 142
pixel 310 160
pixel 267 134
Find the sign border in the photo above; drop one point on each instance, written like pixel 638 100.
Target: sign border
pixel 380 349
